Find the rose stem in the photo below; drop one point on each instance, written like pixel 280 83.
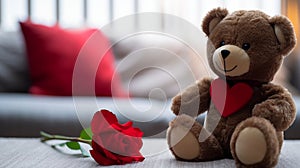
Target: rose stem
pixel 47 137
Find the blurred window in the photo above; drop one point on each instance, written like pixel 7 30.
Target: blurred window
pixel 101 12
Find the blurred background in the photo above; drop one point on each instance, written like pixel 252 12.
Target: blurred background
pixel 158 50
pixel 97 13
pixel 74 14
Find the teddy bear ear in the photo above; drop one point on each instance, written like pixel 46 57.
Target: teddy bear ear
pixel 284 32
pixel 212 19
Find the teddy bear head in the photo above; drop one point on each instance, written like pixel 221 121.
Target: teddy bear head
pixel 247 45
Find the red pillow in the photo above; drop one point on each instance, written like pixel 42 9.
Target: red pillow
pixel 70 62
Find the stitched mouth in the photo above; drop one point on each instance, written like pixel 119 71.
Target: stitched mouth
pixel 226 70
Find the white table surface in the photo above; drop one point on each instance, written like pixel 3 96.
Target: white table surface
pixel 23 153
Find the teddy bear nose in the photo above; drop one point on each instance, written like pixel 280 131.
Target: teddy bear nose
pixel 225 53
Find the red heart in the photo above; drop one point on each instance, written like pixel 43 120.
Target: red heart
pixel 229 100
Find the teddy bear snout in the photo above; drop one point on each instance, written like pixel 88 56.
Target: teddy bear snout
pixel 231 60
pixel 225 53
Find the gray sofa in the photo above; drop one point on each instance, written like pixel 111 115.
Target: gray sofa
pixel 25 115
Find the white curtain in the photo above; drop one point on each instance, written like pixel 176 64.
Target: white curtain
pixel 43 11
pixel 195 10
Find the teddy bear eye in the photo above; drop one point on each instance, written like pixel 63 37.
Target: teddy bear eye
pixel 222 43
pixel 246 46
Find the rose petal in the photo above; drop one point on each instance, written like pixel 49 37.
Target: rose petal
pixel 114 143
pixel 119 143
pixel 120 127
pixel 109 116
pixel 100 159
pixel 102 120
pixel 135 132
pixel 138 132
pixel 104 160
pixel 104 152
pixel 137 144
pixel 105 157
pixel 125 159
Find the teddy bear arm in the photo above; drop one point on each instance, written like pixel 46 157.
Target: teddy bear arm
pixel 194 100
pixel 278 108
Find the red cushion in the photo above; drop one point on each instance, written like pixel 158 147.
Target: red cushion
pixel 53 53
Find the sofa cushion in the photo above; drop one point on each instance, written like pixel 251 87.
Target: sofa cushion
pixel 158 66
pixel 13 63
pixel 54 53
pixel 25 115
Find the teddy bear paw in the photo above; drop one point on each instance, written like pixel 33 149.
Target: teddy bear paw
pixel 183 143
pixel 255 143
pixel 183 120
pixel 251 146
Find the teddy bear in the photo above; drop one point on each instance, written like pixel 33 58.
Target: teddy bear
pixel 246 113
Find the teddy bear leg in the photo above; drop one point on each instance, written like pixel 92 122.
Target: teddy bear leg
pixel 254 143
pixel 184 142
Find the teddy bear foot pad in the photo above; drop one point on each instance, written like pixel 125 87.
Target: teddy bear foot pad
pixel 255 143
pixel 185 142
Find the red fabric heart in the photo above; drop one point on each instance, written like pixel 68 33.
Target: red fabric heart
pixel 229 100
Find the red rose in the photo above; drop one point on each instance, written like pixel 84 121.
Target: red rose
pixel 114 143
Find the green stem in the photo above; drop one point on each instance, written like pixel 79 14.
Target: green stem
pixel 47 137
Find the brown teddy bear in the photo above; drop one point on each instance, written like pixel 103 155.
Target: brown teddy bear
pixel 246 113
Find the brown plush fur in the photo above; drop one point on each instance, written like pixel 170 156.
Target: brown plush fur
pixel 209 149
pixel 189 101
pixel 271 108
pixel 273 145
